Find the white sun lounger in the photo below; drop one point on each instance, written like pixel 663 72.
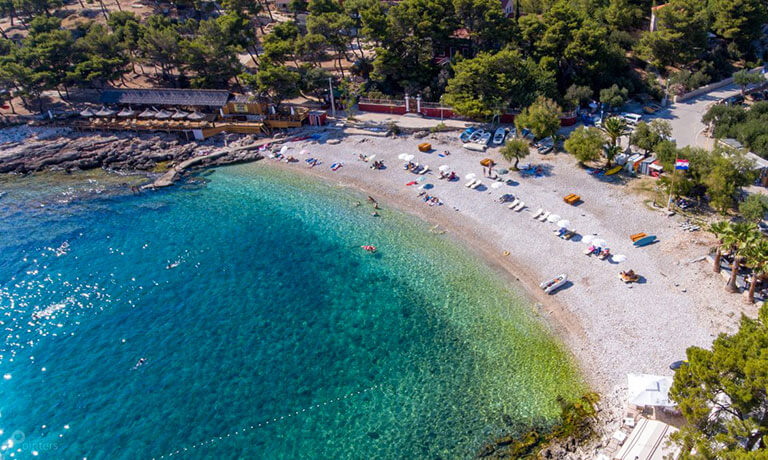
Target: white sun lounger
pixel 424 170
pixel 520 206
pixel 476 184
pixel 537 213
pixel 513 203
pixel 544 216
pixel 470 183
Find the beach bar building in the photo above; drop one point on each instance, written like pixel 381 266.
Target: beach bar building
pixel 200 113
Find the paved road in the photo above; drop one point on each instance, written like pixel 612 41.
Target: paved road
pixel 685 117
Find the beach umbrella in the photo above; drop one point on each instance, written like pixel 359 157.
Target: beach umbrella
pixel 304 152
pixel 564 223
pixel 553 218
pixel 87 113
pixel 163 115
pixel 497 185
pixel 444 168
pixel 587 239
pixel 195 116
pixel 409 157
pixel 619 258
pixel 470 176
pixel 147 113
pixel 600 243
pixel 402 156
pixel 370 158
pixel 283 150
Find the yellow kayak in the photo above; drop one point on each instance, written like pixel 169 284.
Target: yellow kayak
pixel 613 171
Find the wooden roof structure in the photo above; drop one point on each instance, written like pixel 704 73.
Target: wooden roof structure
pixel 166 97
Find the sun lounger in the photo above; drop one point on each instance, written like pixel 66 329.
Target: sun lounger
pixel 637 236
pixel 520 206
pixel 513 204
pixel 476 184
pixel 424 169
pixel 470 183
pixel 544 216
pixel 572 199
pixel 537 213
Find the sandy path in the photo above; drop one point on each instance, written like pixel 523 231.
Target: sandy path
pixel 612 329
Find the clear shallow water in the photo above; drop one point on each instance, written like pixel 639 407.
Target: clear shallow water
pixel 252 302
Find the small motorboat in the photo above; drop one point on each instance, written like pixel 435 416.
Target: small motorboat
pixel 369 248
pixel 475 137
pixel 645 241
pixel 465 135
pixel 485 138
pixel 499 135
pixel 629 276
pixel 554 284
pixel 475 146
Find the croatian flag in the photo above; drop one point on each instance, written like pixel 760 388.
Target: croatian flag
pixel 681 164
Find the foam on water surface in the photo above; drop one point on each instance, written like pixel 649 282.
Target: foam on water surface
pixel 252 302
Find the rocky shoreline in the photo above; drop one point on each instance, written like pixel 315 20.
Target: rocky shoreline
pixel 29 150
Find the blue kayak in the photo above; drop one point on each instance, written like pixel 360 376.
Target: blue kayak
pixel 645 241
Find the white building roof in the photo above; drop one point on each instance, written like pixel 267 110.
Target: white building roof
pixel 648 441
pixel 649 390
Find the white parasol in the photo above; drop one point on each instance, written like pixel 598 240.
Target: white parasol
pixel 470 176
pixel 370 158
pixel 86 113
pixel 553 218
pixel 304 152
pixel 587 239
pixel 409 157
pixel 444 168
pixel 283 149
pixel 497 185
pixel 619 258
pixel 402 156
pixel 600 243
pixel 564 223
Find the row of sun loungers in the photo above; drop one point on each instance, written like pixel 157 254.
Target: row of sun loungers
pixel 517 205
pixel 473 184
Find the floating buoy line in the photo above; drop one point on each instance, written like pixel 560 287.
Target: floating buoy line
pixel 265 423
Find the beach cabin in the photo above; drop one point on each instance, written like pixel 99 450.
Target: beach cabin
pixel 760 163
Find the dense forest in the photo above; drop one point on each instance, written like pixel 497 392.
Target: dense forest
pixel 568 50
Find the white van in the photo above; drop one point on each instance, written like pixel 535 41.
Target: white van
pixel 632 118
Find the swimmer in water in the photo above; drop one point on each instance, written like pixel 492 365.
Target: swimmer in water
pixel 140 363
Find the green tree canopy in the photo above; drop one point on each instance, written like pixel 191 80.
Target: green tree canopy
pixel 515 149
pixel 681 34
pixel 722 394
pixel 490 83
pixel 542 118
pixel 585 144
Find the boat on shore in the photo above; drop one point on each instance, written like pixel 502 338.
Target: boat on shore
pixel 554 284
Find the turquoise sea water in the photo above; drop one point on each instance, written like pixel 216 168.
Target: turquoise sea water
pixel 267 331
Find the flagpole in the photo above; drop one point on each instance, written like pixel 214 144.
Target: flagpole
pixel 672 185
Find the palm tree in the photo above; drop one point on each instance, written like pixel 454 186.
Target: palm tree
pixel 740 238
pixel 757 258
pixel 515 149
pixel 610 151
pixel 614 127
pixel 719 229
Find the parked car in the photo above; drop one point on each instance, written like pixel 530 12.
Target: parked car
pixel 632 118
pixel 651 108
pixel 756 96
pixel 734 100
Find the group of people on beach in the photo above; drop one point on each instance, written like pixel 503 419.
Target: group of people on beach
pixel 451 177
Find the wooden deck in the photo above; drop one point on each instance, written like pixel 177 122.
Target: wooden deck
pixel 205 128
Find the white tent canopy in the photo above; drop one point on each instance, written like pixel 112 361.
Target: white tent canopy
pixel 649 390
